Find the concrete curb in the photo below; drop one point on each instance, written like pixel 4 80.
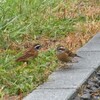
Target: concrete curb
pixel 64 83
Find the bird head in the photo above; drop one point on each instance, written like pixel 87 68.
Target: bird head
pixel 61 49
pixel 37 46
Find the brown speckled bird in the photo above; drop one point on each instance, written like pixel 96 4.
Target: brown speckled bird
pixel 30 53
pixel 65 55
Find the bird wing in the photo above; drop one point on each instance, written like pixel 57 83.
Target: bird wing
pixel 24 57
pixel 68 52
pixel 71 54
pixel 27 54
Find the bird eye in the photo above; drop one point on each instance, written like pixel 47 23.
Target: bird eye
pixel 37 47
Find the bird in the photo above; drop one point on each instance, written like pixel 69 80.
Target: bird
pixel 32 52
pixel 64 54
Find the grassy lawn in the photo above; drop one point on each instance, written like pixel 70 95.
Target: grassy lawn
pixel 49 22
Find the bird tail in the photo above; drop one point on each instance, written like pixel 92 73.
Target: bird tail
pixel 78 56
pixel 18 59
pixel 21 59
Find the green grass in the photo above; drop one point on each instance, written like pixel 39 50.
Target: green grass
pixel 39 17
pixel 15 76
pixel 35 18
pixel 31 17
